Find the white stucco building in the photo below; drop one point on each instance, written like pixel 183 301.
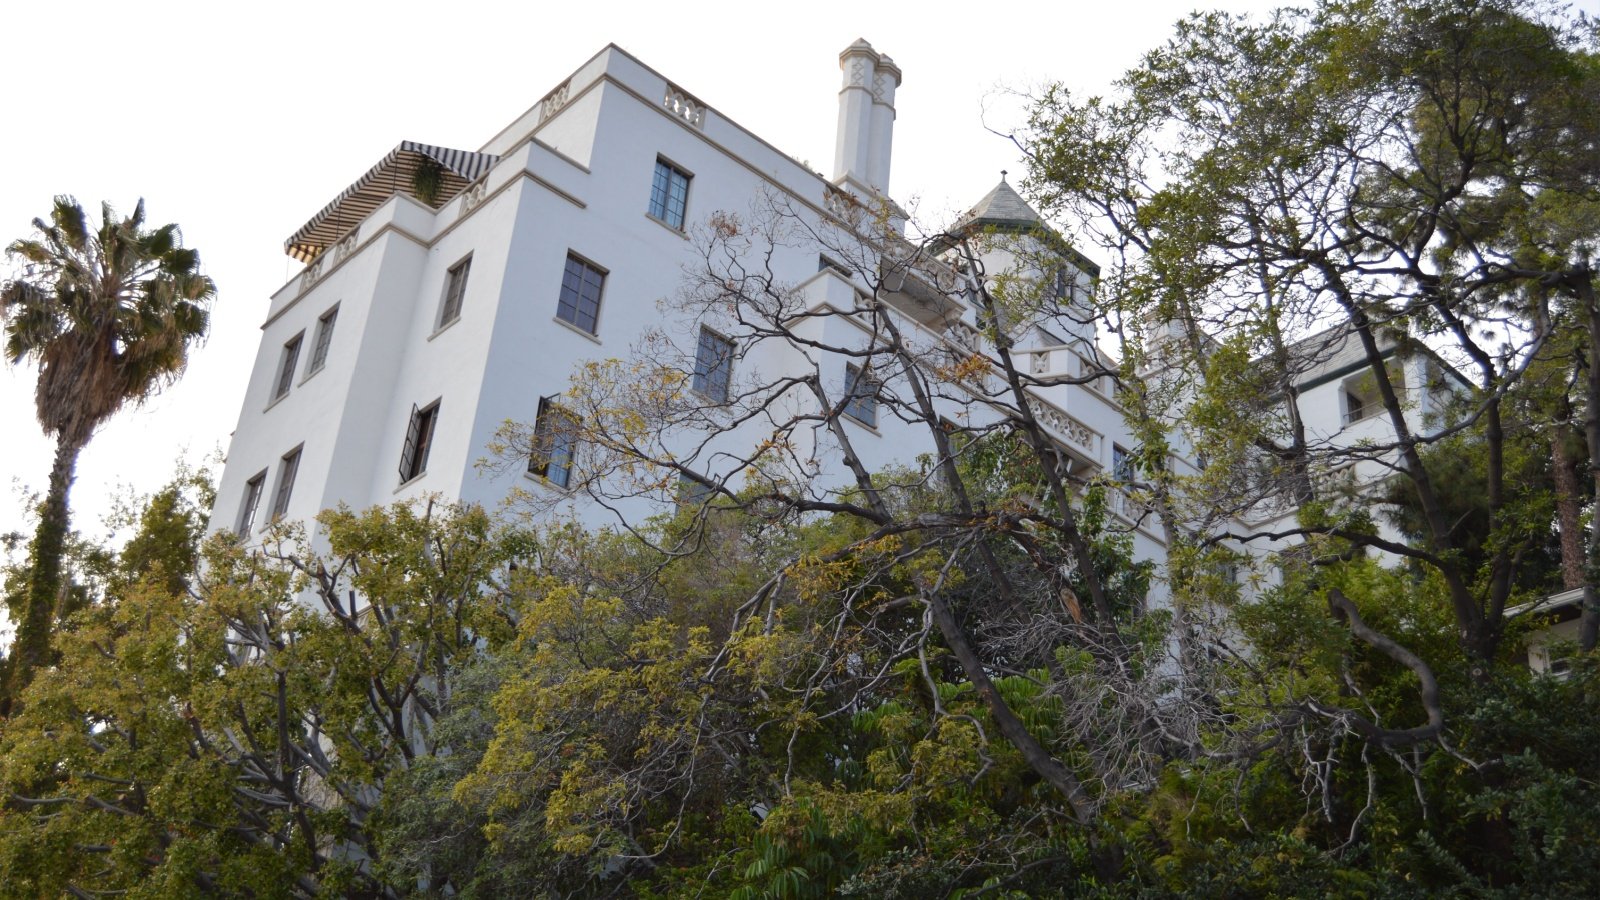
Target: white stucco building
pixel 418 328
pixel 448 291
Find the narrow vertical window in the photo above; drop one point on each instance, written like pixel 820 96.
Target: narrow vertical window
pixel 253 489
pixel 1355 408
pixel 419 440
pixel 861 391
pixel 287 467
pixel 555 443
pixel 579 305
pixel 319 349
pixel 455 288
pixel 1122 467
pixel 286 364
pixel 669 194
pixel 713 365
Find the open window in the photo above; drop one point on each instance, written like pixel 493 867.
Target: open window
pixel 555 443
pixel 419 441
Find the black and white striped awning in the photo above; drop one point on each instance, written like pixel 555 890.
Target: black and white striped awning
pixel 392 175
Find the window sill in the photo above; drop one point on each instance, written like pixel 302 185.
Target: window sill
pixel 310 375
pixel 410 481
pixel 276 400
pixel 443 328
pixel 872 428
pixel 668 226
pixel 546 483
pixel 711 402
pixel 574 329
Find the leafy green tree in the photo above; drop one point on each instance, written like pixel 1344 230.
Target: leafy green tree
pixel 1406 173
pixel 108 316
pixel 239 738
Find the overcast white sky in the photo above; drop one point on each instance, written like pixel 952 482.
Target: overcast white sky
pixel 240 120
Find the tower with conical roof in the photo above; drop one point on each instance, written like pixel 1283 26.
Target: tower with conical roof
pixel 1017 242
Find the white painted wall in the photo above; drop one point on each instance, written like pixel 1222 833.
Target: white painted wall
pixel 571 179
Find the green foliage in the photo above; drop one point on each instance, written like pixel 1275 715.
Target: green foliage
pixel 108 316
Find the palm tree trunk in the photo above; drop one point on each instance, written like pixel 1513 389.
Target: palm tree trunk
pixel 31 649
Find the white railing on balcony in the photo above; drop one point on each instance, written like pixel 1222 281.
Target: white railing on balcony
pixel 1065 428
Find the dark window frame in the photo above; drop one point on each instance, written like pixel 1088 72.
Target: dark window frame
pixel 713 365
pixel 254 489
pixel 555 443
pixel 288 468
pixel 287 362
pixel 455 291
pixel 861 405
pixel 576 301
pixel 669 194
pixel 1124 468
pixel 323 340
pixel 419 441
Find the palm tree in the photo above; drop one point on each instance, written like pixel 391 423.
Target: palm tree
pixel 108 316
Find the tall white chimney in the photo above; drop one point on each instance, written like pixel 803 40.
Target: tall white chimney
pixel 883 87
pixel 866 118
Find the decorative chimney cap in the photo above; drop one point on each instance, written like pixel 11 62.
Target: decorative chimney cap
pixel 859 48
pixel 885 64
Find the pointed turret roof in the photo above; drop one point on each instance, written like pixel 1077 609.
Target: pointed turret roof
pixel 1002 208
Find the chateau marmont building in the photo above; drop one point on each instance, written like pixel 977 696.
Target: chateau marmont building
pixel 446 292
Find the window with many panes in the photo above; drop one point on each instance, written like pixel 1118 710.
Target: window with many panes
pixel 455 289
pixel 581 283
pixel 669 194
pixel 319 349
pixel 861 391
pixel 1122 467
pixel 555 443
pixel 287 467
pixel 286 364
pixel 253 489
pixel 713 365
pixel 419 440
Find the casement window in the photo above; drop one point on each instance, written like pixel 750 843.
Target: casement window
pixel 581 284
pixel 1122 467
pixel 287 467
pixel 319 349
pixel 286 364
pixel 455 289
pixel 419 440
pixel 669 194
pixel 555 443
pixel 861 391
pixel 253 489
pixel 713 365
